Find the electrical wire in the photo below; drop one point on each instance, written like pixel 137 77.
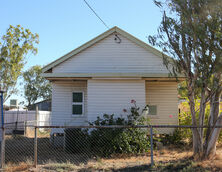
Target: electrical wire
pixel 96 14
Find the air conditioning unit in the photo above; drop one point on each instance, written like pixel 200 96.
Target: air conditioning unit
pixel 14 103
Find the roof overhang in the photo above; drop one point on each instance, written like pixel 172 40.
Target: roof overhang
pixel 85 76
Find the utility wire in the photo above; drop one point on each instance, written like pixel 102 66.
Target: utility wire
pixel 96 14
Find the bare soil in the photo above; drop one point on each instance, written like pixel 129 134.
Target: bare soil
pixel 20 152
pixel 168 159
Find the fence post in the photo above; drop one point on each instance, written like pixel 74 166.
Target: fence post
pixel 3 148
pixel 151 145
pixel 35 139
pixel 25 132
pixel 35 148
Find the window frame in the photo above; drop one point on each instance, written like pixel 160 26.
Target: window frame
pixel 78 103
pixel 156 110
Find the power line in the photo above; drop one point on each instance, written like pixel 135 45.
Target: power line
pixel 96 14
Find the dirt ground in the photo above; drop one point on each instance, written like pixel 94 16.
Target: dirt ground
pixel 19 155
pixel 168 159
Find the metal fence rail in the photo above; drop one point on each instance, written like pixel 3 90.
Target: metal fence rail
pixel 41 145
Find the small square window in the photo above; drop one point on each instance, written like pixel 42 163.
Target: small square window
pixel 77 97
pixel 152 110
pixel 77 109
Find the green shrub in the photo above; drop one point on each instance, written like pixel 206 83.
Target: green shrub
pixel 176 138
pixel 185 119
pixel 105 142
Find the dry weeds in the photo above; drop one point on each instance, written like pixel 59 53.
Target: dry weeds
pixel 19 157
pixel 168 159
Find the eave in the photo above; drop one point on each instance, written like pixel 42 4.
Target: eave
pixel 85 76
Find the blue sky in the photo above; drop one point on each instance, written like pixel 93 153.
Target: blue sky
pixel 63 25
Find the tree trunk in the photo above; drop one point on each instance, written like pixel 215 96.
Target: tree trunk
pixel 212 132
pixel 214 119
pixel 197 141
pixel 197 144
pixel 202 112
pixel 210 147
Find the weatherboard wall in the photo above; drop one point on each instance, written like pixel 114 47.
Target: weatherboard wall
pixel 165 96
pixel 62 103
pixel 108 56
pixel 112 96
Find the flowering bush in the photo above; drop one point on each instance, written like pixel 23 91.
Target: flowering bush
pixel 105 142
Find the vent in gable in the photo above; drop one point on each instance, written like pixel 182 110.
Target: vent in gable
pixel 117 39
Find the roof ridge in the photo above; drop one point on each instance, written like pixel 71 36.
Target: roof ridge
pixel 99 38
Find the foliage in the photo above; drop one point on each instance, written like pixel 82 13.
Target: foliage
pixel 185 119
pixel 176 139
pixel 183 91
pixel 14 46
pixel 191 33
pixel 182 136
pixel 106 142
pixel 35 86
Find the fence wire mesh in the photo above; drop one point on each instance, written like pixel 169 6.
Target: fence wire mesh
pixel 76 148
pixel 18 148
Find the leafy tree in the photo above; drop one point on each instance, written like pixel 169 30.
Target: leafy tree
pixel 35 86
pixel 182 90
pixel 14 46
pixel 191 33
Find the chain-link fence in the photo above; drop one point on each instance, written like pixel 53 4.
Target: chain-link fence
pixel 76 148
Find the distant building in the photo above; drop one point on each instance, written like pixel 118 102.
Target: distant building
pixel 44 105
pixel 13 103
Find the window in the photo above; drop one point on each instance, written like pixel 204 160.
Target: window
pixel 77 103
pixel 152 110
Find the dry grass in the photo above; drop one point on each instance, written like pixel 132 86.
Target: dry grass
pixel 19 157
pixel 23 166
pixel 168 159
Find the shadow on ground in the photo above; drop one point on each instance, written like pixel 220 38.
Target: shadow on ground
pixel 21 149
pixel 186 164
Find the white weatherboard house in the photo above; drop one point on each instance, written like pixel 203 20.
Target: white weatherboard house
pixel 105 74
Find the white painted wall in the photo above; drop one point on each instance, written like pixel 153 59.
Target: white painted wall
pixel 107 56
pixel 62 103
pixel 112 96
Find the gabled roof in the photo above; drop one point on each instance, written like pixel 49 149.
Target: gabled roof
pixel 97 39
